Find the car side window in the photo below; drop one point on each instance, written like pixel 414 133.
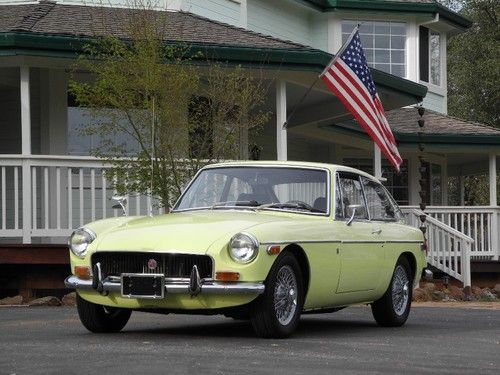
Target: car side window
pixel 352 194
pixel 378 201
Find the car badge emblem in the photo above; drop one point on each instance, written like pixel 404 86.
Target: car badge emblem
pixel 152 264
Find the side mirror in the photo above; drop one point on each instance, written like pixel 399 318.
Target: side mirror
pixel 121 202
pixel 352 208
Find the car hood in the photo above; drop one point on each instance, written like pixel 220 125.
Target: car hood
pixel 187 232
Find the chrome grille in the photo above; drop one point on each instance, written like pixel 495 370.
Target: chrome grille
pixel 114 263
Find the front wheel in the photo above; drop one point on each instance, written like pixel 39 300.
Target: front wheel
pixel 101 319
pixel 393 308
pixel 276 313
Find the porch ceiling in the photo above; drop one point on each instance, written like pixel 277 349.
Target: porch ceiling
pixel 50 30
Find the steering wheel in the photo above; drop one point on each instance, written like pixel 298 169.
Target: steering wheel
pixel 300 204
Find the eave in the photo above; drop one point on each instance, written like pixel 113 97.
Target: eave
pixel 394 6
pixel 69 46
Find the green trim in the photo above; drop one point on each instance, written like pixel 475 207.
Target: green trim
pixel 303 59
pixel 395 6
pixel 434 139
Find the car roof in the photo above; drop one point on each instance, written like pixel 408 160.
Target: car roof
pixel 290 163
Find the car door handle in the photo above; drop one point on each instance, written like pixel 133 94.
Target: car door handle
pixel 377 231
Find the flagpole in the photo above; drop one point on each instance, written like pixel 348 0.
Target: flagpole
pixel 285 124
pixel 294 109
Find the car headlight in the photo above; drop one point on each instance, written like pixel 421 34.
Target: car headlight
pixel 243 247
pixel 80 241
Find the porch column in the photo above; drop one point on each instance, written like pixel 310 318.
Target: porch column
pixel 444 183
pixel 461 184
pixel 413 177
pixel 377 161
pixel 281 135
pixel 493 180
pixel 495 233
pixel 26 151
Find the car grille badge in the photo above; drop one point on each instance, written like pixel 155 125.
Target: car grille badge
pixel 152 264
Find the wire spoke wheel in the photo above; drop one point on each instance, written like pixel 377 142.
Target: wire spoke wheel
pixel 393 308
pixel 400 290
pixel 276 313
pixel 285 295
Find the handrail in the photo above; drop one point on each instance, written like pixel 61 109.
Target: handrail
pixel 455 209
pixel 450 250
pixel 443 226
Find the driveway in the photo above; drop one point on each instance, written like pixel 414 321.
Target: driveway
pixel 444 340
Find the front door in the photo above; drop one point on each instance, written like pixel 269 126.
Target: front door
pixel 361 250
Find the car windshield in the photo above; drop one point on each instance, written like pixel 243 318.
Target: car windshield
pixel 302 190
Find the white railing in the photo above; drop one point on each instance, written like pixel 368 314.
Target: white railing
pixel 448 249
pixel 479 223
pixel 49 196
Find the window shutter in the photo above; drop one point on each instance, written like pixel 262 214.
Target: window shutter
pixel 424 53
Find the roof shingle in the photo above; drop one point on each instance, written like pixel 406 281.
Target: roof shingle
pixel 88 21
pixel 404 121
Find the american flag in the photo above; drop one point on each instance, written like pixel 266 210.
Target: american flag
pixel 349 77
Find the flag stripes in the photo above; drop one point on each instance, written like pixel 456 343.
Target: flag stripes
pixel 349 77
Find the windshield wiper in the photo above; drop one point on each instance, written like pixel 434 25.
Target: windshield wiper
pixel 287 205
pixel 250 204
pixel 292 205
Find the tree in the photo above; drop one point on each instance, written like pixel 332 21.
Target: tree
pixel 474 64
pixel 179 115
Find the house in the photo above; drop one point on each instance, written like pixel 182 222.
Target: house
pixel 49 184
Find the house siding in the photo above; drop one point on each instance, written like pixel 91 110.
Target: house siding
pixel 272 17
pixel 227 11
pixel 435 102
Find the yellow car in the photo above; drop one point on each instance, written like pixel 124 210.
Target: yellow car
pixel 264 241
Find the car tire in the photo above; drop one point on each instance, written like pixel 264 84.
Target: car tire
pixel 101 319
pixel 284 286
pixel 393 308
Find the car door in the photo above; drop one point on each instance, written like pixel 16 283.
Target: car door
pixel 361 249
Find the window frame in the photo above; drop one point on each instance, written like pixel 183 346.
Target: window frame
pixel 337 181
pixel 425 57
pixel 389 49
pixel 389 197
pixel 291 166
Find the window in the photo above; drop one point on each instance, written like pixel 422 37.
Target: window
pixel 430 56
pixel 380 206
pixel 396 183
pixel 83 141
pixel 384 44
pixel 351 193
pixel 299 190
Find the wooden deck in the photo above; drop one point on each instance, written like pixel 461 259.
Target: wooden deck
pixel 34 254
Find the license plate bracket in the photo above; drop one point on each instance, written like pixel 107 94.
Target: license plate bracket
pixel 146 286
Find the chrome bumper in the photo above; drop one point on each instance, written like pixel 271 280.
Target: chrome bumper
pixel 211 287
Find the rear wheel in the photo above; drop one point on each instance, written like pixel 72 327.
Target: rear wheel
pixel 101 319
pixel 276 313
pixel 393 308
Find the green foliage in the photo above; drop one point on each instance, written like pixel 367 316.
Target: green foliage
pixel 476 190
pixel 182 116
pixel 474 64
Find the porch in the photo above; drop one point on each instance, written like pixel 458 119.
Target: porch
pixel 45 197
pixel 49 186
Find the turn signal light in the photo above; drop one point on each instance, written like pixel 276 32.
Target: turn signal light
pixel 227 276
pixel 274 249
pixel 82 272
